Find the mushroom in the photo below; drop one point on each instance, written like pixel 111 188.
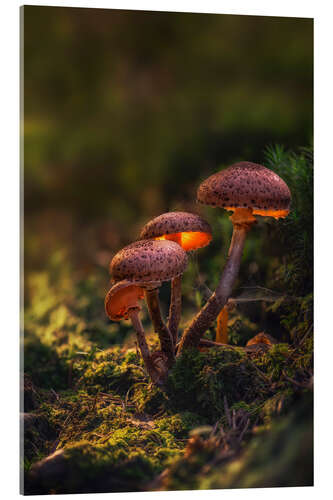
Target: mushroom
pixel 191 232
pixel 150 262
pixel 247 189
pixel 122 299
pixel 122 302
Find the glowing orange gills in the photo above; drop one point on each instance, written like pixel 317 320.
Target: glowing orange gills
pixel 189 230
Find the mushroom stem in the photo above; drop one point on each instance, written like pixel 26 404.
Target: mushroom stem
pixel 175 307
pixel 160 328
pixel 143 346
pixel 231 243
pixel 208 314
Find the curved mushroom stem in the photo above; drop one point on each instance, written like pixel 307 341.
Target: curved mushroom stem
pixel 160 328
pixel 175 307
pixel 143 346
pixel 242 222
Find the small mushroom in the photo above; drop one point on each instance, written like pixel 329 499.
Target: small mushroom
pixel 150 262
pixel 247 189
pixel 122 298
pixel 262 340
pixel 191 232
pixel 122 302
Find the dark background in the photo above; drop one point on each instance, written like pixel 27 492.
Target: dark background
pixel 126 112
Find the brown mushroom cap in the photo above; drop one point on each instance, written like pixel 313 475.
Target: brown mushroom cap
pixel 149 260
pixel 247 185
pixel 122 297
pixel 189 230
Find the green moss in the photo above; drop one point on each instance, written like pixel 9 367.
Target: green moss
pixel 204 380
pixel 116 420
pixel 44 366
pixel 96 449
pixel 87 468
pixel 275 360
pixel 38 434
pixel 109 370
pixel 179 424
pixel 278 455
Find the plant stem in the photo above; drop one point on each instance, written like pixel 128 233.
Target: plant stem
pixel 143 346
pixel 222 326
pixel 160 328
pixel 175 307
pixel 218 299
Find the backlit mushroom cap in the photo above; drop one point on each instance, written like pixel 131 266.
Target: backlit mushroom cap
pixel 247 185
pixel 149 260
pixel 187 229
pixel 122 297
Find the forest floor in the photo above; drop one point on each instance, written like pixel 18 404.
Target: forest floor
pixel 229 417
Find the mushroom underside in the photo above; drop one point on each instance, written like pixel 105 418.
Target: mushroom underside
pixel 118 305
pixel 267 212
pixel 188 240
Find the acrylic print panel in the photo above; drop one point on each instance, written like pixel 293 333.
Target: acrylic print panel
pixel 186 368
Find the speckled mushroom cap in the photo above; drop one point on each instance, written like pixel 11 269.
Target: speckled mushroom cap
pixel 247 185
pixel 189 230
pixel 121 297
pixel 149 260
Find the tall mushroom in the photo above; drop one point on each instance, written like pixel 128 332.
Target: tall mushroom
pixel 151 262
pixel 122 302
pixel 247 189
pixel 191 232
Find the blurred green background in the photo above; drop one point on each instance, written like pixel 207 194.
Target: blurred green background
pixel 125 112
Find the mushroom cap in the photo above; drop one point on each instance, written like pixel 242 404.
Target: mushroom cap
pixel 149 260
pixel 188 230
pixel 247 185
pixel 122 297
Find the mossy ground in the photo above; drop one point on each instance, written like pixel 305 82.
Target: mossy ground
pixel 117 432
pixel 227 417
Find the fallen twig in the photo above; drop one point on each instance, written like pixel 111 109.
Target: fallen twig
pixel 244 430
